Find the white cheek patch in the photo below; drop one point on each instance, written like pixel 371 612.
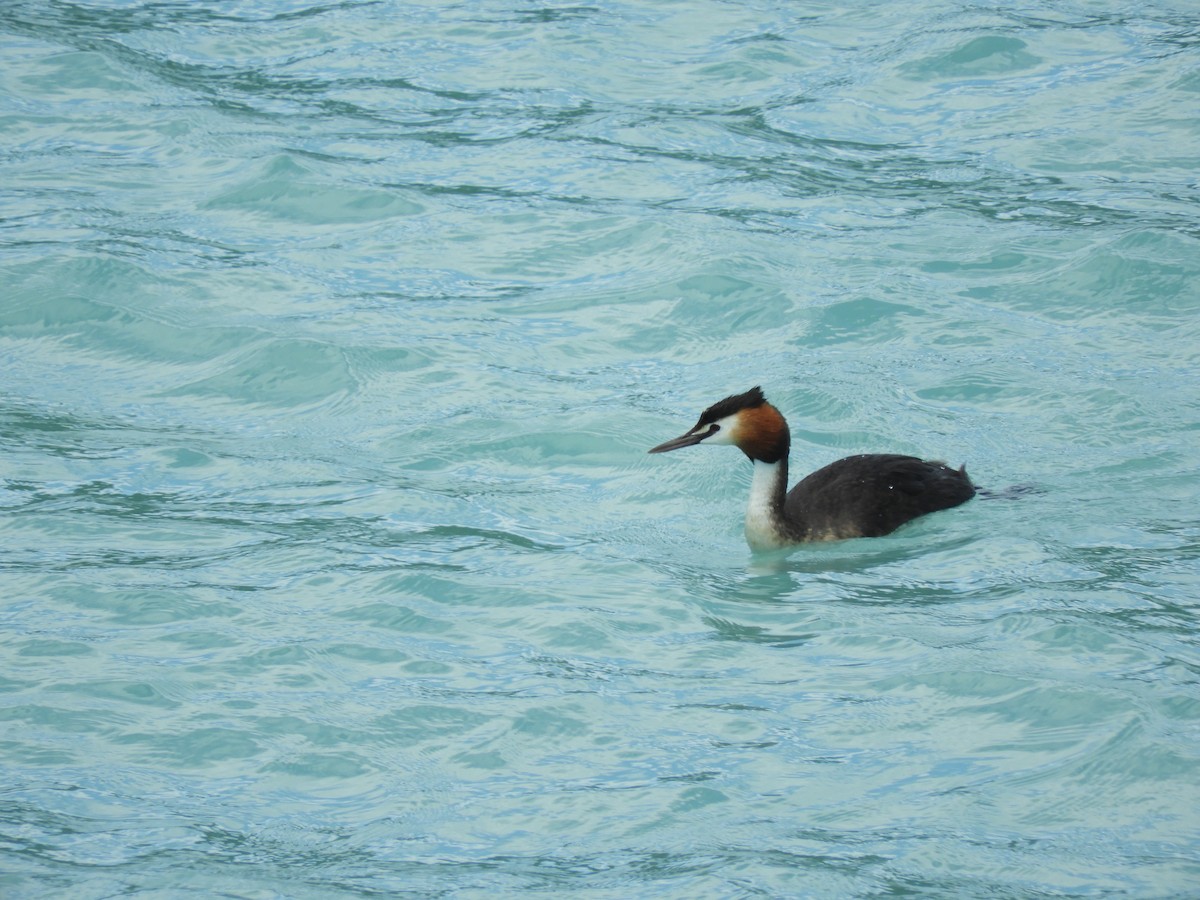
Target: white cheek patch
pixel 727 433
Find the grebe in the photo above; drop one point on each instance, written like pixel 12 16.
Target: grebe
pixel 867 495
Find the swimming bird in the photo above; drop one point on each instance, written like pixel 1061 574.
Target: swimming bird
pixel 867 495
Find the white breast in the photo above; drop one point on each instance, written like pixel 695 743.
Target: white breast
pixel 763 529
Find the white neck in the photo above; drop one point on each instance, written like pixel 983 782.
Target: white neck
pixel 764 530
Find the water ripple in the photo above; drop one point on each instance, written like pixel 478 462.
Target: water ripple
pixel 333 338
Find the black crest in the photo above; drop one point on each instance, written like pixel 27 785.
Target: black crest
pixel 732 404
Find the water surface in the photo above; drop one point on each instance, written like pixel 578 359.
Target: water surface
pixel 333 337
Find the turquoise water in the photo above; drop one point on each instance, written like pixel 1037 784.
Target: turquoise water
pixel 332 563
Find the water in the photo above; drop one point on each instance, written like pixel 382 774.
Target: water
pixel 333 337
